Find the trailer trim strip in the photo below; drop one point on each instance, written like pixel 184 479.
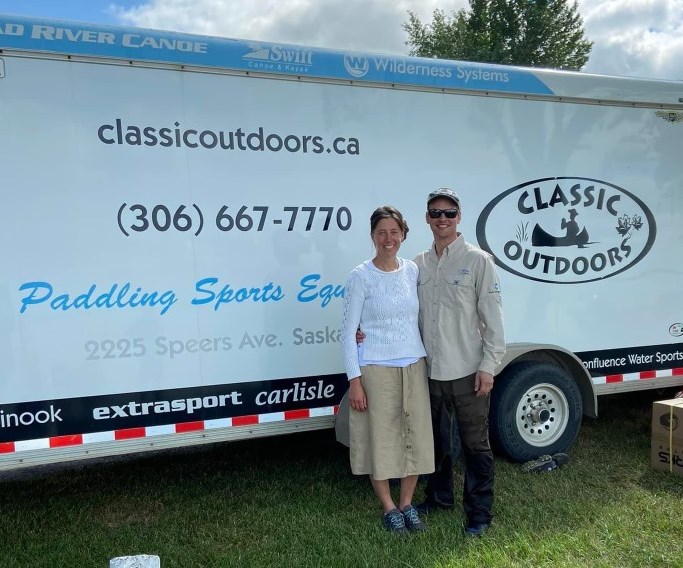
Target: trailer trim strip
pixel 152 431
pixel 641 376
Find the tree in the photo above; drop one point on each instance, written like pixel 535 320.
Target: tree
pixel 534 33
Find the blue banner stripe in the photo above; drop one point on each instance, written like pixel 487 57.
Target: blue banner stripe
pixel 77 38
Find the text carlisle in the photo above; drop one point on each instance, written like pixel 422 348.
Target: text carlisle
pixel 298 393
pixel 566 230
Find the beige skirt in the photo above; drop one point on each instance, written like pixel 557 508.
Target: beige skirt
pixel 393 438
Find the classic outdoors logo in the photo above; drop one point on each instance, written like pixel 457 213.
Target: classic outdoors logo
pixel 566 230
pixel 676 329
pixel 356 66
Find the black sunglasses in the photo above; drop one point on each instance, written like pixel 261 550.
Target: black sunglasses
pixel 449 213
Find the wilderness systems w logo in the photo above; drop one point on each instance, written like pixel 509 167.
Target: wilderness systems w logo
pixel 276 57
pixel 566 230
pixel 356 66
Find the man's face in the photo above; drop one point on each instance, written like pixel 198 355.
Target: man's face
pixel 442 227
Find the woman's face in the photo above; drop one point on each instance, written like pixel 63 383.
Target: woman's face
pixel 387 237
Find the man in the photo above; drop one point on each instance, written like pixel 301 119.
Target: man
pixel 461 321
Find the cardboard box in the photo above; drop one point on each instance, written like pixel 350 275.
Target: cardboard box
pixel 666 448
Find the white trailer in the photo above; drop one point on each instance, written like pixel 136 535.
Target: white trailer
pixel 178 215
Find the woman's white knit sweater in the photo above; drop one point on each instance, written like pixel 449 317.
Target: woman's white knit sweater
pixel 385 306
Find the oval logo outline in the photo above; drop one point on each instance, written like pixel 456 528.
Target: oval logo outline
pixel 483 219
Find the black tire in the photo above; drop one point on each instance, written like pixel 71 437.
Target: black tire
pixel 536 409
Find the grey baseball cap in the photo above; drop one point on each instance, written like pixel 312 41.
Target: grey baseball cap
pixel 446 194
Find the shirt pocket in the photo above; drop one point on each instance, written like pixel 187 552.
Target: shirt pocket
pixel 423 280
pixel 424 288
pixel 459 289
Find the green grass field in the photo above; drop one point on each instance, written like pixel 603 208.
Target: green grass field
pixel 291 501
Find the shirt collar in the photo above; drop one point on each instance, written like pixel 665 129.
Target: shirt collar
pixel 454 247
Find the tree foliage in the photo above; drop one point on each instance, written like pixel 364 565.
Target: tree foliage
pixel 535 33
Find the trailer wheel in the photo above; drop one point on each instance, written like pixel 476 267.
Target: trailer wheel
pixel 536 409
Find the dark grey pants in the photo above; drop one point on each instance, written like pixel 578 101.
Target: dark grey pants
pixel 455 404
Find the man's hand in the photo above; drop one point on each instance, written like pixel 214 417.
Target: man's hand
pixel 360 336
pixel 483 383
pixel 357 398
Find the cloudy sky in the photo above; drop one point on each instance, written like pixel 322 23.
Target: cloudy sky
pixel 639 38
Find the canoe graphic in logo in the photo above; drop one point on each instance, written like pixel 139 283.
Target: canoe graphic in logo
pixel 566 230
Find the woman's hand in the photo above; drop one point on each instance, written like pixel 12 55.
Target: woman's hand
pixel 357 398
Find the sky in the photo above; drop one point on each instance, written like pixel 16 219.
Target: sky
pixel 637 38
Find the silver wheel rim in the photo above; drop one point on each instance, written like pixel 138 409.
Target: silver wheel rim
pixel 542 415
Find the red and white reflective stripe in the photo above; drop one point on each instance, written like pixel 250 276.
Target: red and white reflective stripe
pixel 641 376
pixel 151 431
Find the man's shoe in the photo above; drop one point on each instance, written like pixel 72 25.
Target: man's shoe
pixel 546 463
pixel 476 529
pixel 542 463
pixel 561 458
pixel 427 507
pixel 412 519
pixel 394 522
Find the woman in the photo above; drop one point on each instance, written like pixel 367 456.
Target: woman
pixel 390 425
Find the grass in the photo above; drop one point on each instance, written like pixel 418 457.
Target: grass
pixel 291 501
